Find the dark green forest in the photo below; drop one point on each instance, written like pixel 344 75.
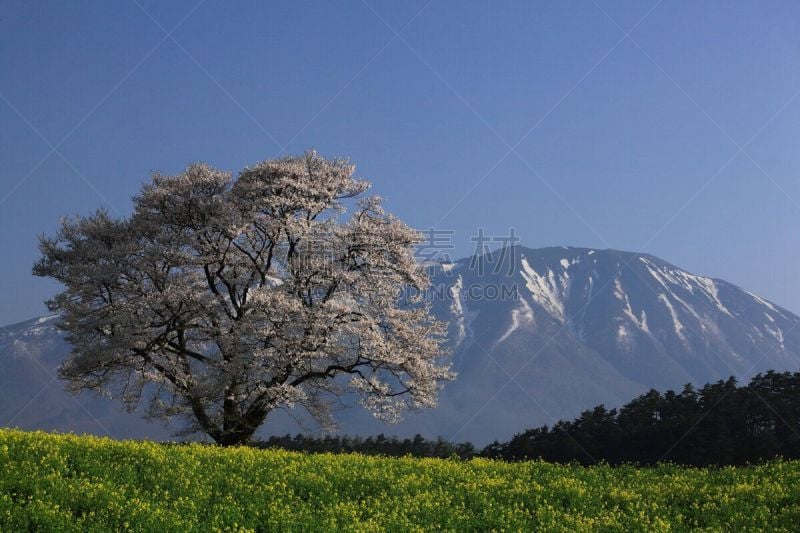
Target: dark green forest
pixel 718 424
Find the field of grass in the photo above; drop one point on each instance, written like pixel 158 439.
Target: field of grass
pixel 64 482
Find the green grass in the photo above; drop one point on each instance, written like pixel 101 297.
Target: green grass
pixel 66 482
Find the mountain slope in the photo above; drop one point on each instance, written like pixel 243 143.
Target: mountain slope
pixel 31 396
pixel 537 335
pixel 582 327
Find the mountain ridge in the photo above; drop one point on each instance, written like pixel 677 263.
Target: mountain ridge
pixel 537 335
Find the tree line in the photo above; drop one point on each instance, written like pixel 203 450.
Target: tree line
pixel 719 424
pixel 418 446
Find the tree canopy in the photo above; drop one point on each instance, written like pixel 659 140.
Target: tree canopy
pixel 220 299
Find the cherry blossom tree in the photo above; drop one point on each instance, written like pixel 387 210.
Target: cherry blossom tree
pixel 221 299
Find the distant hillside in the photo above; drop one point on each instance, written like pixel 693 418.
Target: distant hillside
pixel 32 397
pixel 537 335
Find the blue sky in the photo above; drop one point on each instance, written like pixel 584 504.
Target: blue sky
pixel 666 127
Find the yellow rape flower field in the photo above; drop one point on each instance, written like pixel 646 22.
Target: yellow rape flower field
pixel 56 482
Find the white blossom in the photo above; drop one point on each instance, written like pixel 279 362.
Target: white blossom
pixel 225 298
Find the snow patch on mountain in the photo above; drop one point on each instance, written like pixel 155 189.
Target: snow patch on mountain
pixel 777 334
pixel 766 304
pixel 462 316
pixel 674 278
pixel 707 325
pixel 676 323
pixel 709 287
pixel 623 336
pixel 548 290
pixel 520 316
pixel 273 281
pixel 457 307
pixel 640 321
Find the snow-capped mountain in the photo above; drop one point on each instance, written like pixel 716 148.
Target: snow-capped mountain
pixel 653 322
pixel 558 330
pixel 537 335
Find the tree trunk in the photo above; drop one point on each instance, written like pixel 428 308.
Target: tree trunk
pixel 235 437
pixel 238 429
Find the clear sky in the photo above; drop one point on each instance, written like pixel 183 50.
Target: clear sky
pixel 665 127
